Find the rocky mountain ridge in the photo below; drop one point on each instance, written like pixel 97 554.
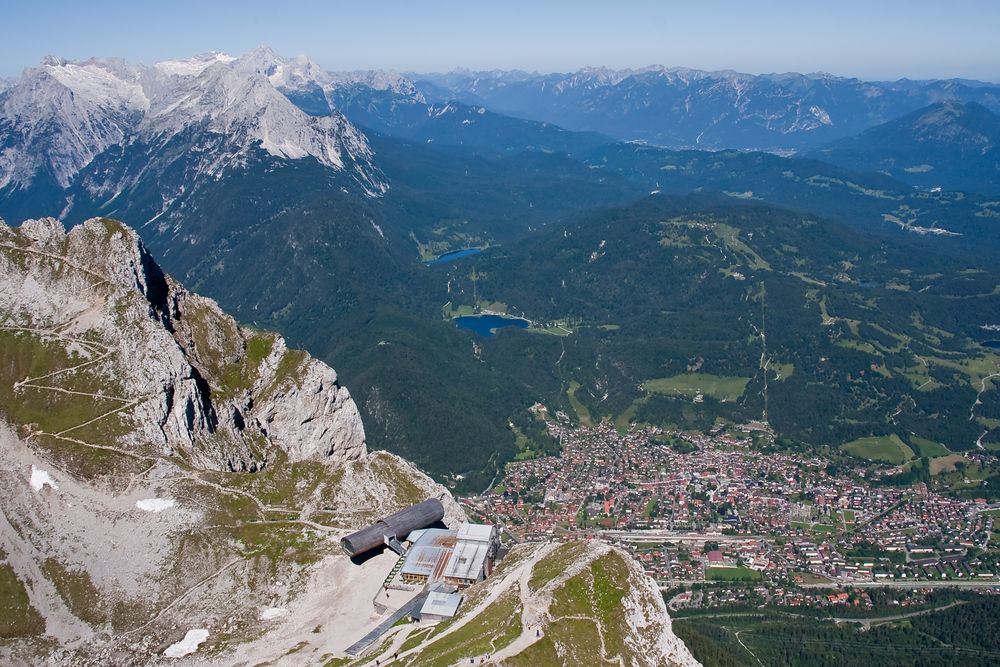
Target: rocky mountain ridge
pixel 161 466
pixel 191 371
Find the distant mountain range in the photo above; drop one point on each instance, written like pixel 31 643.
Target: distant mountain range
pixel 688 108
pixel 947 145
pixel 305 201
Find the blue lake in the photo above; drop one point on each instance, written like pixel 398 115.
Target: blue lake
pixel 487 325
pixel 453 255
pixel 992 344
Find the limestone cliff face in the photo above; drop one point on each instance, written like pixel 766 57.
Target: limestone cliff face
pixel 190 381
pixel 308 414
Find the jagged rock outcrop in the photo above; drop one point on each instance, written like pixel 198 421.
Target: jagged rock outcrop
pixel 194 382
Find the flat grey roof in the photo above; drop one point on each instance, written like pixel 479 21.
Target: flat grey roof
pixel 441 604
pixel 428 556
pixel 467 560
pixel 476 532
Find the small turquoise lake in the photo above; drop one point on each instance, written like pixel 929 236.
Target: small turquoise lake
pixel 453 255
pixel 487 325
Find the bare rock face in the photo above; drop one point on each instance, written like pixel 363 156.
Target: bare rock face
pixel 309 414
pixel 189 380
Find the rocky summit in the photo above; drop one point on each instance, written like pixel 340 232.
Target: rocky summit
pixel 188 380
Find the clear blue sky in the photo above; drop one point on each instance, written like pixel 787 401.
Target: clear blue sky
pixel 870 39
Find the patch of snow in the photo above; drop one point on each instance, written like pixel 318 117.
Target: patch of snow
pixel 192 66
pixel 154 504
pixel 272 613
pixel 821 114
pixel 41 478
pixel 101 82
pixel 192 640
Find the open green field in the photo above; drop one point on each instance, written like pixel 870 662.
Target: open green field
pixel 450 311
pixel 732 574
pixel 579 408
pixel 782 371
pixel 928 448
pixel 719 387
pixel 650 508
pixel 817 528
pixel 885 448
pixel 623 420
pixel 847 516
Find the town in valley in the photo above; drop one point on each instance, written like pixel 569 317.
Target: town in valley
pixel 730 513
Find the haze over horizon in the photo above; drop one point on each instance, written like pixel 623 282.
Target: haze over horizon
pixel 850 39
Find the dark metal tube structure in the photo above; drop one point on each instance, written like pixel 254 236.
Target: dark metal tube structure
pixel 400 525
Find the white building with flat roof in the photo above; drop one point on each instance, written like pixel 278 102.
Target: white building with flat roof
pixel 440 606
pixel 475 551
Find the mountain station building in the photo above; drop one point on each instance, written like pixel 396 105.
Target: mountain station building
pixel 457 558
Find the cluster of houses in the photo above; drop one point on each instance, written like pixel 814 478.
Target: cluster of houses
pixel 795 512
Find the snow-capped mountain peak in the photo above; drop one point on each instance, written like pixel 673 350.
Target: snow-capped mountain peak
pixel 105 82
pixel 299 74
pixel 59 116
pixel 237 98
pixel 388 80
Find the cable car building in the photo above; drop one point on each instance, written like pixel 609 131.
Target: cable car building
pixel 393 529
